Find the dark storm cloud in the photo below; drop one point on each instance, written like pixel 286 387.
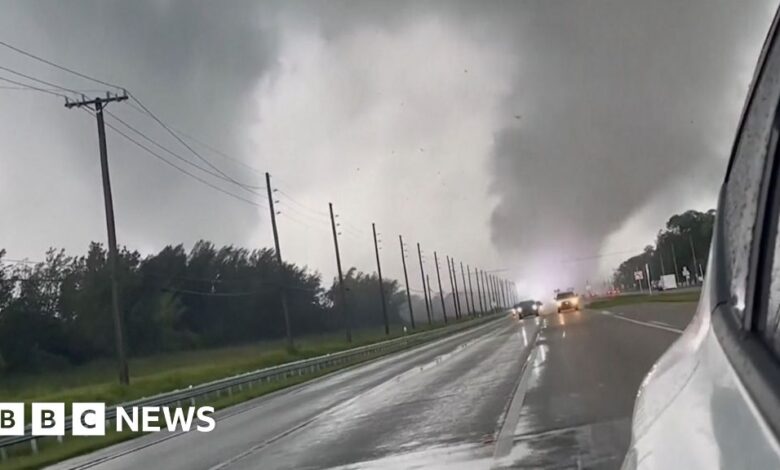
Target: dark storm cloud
pixel 582 114
pixel 193 64
pixel 615 103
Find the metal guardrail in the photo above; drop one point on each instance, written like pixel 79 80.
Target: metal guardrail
pixel 249 379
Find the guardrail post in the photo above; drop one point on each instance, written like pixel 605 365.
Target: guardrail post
pixel 240 387
pixel 34 445
pixel 192 401
pixel 59 438
pixel 3 455
pixel 230 391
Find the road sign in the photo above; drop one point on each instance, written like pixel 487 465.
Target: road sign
pixel 639 275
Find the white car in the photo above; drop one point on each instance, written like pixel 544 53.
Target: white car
pixel 713 399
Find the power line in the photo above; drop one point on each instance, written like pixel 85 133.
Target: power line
pixel 181 141
pixel 31 87
pixel 207 146
pixel 61 67
pixel 186 172
pixel 38 80
pixel 302 205
pixel 176 155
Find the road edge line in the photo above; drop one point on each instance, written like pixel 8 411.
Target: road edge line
pixel 639 322
pixel 507 431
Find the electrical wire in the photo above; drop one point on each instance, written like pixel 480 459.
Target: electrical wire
pixel 38 80
pixel 61 67
pixel 185 144
pixel 182 170
pixel 31 87
pixel 174 154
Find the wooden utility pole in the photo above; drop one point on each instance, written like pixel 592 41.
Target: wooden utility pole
pixel 457 290
pixel 381 285
pixel 280 264
pixel 452 288
pixel 343 295
pixel 471 289
pixel 406 280
pixel 465 292
pixel 441 291
pixel 424 286
pixel 97 105
pixel 430 294
pixel 479 291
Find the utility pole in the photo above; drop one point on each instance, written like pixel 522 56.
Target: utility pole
pixel 342 293
pixel 661 257
pixel 471 290
pixel 452 288
pixel 430 293
pixel 457 290
pixel 500 294
pixel 425 288
pixel 481 279
pixel 479 291
pixel 492 290
pixel 406 280
pixel 98 104
pixel 674 260
pixel 494 282
pixel 441 292
pixel 695 263
pixel 465 292
pixel 381 286
pixel 282 290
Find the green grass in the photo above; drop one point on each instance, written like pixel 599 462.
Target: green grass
pixel 225 361
pixel 51 452
pixel 691 296
pixel 96 382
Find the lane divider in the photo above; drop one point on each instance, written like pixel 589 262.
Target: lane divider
pixel 651 324
pixel 506 435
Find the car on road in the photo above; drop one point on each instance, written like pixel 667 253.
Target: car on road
pixel 713 398
pixel 527 308
pixel 567 300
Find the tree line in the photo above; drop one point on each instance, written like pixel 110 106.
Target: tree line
pixel 683 244
pixel 57 312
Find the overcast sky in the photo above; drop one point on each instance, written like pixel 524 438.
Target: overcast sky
pixel 510 135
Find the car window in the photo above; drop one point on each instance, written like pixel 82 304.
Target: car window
pixel 742 186
pixel 770 322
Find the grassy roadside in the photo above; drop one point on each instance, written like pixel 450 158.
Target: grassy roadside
pixel 690 296
pixel 51 451
pixel 96 382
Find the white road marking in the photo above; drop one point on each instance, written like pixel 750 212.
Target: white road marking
pixel 651 324
pixel 507 433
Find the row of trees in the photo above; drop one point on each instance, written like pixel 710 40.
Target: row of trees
pixel 683 244
pixel 57 312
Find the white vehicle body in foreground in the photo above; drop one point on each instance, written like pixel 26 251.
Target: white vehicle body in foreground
pixel 713 399
pixel 693 412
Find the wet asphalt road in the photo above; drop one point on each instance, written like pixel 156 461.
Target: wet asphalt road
pixel 444 405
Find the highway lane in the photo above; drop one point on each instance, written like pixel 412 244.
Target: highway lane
pixel 582 385
pixel 246 430
pixel 463 402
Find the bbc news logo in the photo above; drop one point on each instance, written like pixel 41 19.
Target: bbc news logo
pixel 89 419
